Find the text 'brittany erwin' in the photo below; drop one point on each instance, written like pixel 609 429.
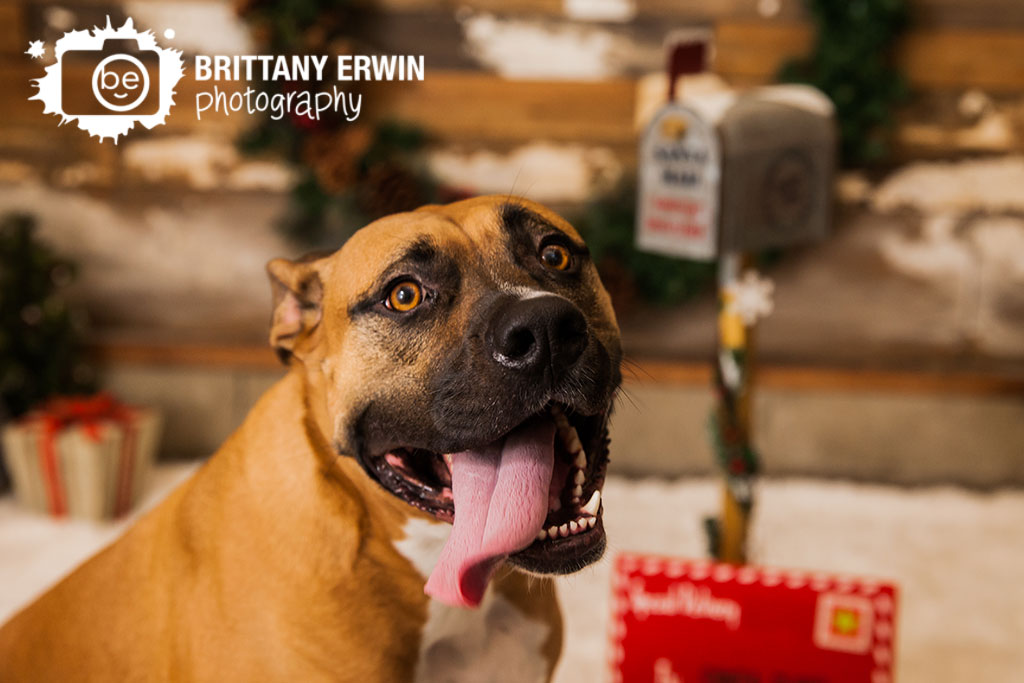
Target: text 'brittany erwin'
pixel 309 67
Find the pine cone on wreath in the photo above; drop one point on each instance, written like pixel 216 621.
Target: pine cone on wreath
pixel 334 155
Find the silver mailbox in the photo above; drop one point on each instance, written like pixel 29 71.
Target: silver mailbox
pixel 736 171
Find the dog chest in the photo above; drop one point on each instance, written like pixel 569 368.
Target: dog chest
pixel 495 642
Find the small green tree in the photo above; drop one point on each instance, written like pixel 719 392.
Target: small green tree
pixel 41 352
pixel 853 62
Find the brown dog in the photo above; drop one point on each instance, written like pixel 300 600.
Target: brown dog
pixel 445 415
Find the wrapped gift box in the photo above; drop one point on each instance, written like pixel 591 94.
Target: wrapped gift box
pixel 694 621
pixel 81 457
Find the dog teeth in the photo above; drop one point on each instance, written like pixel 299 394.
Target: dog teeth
pixel 593 504
pixel 570 528
pixel 573 443
pixel 577 491
pixel 570 438
pixel 581 460
pixel 579 478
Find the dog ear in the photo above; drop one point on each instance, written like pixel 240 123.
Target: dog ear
pixel 298 297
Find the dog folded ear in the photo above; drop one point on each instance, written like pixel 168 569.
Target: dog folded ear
pixel 298 296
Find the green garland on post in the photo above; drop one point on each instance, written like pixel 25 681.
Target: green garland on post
pixel 853 62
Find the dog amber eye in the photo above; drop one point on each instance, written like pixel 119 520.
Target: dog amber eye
pixel 555 257
pixel 404 296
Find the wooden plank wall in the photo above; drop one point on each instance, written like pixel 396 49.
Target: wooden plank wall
pixel 991 59
pixel 641 370
pixel 956 46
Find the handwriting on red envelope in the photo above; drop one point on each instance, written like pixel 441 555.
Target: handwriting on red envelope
pixel 694 621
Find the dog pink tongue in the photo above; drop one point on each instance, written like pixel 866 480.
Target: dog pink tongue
pixel 501 499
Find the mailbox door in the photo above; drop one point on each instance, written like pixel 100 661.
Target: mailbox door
pixel 777 182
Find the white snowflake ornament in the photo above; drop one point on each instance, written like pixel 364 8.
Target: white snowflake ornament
pixel 751 297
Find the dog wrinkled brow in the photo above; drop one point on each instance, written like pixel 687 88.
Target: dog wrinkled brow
pixel 517 219
pixel 422 250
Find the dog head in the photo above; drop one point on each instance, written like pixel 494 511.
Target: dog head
pixel 467 357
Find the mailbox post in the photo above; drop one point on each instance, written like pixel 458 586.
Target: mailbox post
pixel 721 175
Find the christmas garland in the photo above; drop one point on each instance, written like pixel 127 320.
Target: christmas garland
pixel 349 173
pixel 853 62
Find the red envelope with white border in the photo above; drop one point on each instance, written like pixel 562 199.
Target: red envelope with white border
pixel 695 621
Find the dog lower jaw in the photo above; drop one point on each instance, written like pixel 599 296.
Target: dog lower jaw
pixel 564 555
pixel 572 535
pixel 568 547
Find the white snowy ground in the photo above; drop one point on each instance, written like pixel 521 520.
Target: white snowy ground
pixel 958 557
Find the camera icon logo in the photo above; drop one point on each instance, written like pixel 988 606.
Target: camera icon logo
pixel 125 81
pixel 107 80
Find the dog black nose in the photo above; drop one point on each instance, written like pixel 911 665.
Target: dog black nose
pixel 531 335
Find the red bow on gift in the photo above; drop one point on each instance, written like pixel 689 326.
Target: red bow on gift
pixel 89 412
pixel 62 411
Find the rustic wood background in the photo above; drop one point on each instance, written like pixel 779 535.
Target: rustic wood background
pixel 871 371
pixel 954 47
pixel 964 60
